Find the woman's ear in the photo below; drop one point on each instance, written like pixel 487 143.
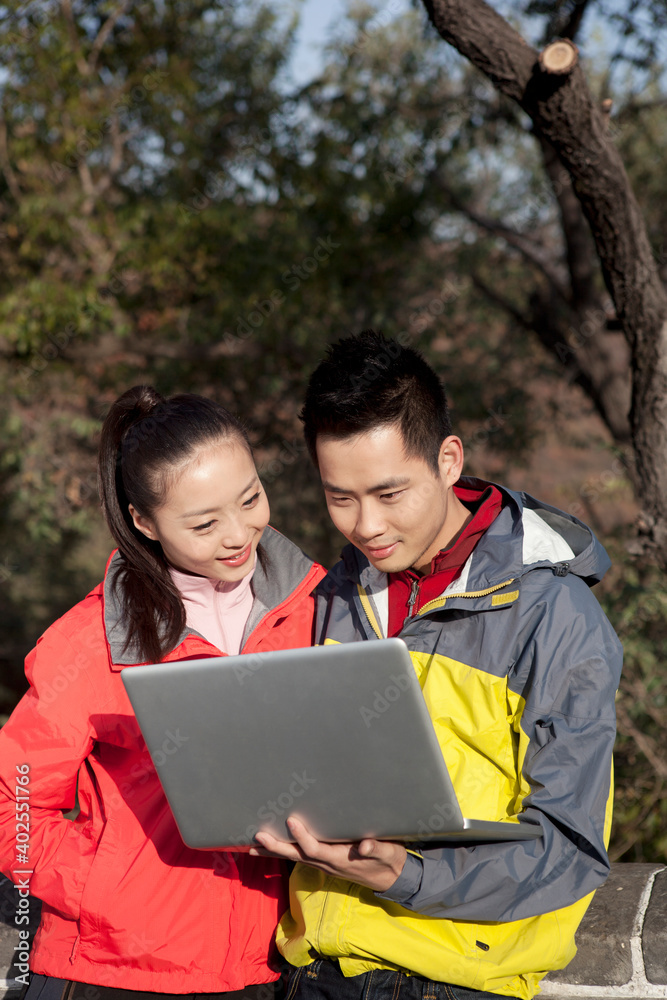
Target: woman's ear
pixel 451 459
pixel 143 524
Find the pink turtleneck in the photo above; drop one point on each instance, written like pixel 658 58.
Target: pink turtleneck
pixel 216 609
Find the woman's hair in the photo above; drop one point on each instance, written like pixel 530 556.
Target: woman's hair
pixel 146 439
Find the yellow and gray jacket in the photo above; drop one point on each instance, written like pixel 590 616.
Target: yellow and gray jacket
pixel 519 668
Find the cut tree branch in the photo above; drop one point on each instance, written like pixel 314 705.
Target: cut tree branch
pixel 559 58
pixel 564 113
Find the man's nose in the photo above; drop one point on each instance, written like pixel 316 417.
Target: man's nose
pixel 371 522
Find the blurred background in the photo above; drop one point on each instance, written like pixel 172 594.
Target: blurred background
pixel 202 195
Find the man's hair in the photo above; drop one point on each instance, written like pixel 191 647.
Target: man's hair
pixel 369 381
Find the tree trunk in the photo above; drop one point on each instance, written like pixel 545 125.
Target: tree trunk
pixel 563 113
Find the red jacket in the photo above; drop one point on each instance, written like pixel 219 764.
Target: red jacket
pixel 125 902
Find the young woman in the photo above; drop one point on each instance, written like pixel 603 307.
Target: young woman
pixel 125 904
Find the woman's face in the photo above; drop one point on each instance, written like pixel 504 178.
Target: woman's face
pixel 214 513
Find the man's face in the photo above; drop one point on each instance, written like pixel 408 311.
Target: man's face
pixel 392 506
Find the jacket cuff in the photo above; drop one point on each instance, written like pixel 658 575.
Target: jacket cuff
pixel 407 883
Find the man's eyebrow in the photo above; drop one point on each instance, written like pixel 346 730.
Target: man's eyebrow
pixel 390 484
pixel 214 510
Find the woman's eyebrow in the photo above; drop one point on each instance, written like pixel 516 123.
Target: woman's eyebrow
pixel 213 510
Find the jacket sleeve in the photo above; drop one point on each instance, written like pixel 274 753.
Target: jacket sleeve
pixel 50 731
pixel 568 672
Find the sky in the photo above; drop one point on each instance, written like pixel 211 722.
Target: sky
pixel 316 17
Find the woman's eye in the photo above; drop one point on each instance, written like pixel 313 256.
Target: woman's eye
pixel 253 500
pixel 203 527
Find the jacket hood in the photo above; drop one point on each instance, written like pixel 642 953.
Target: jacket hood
pixel 526 535
pixel 286 571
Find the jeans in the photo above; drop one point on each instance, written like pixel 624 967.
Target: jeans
pixel 323 980
pixel 48 988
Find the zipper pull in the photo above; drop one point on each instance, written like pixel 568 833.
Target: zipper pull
pixel 412 600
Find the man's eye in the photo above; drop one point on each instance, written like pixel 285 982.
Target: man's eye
pixel 253 500
pixel 203 527
pixel 391 496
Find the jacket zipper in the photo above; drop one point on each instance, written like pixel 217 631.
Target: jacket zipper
pixel 439 602
pixel 368 610
pixel 412 601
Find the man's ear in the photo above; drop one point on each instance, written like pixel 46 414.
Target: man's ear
pixel 450 459
pixel 143 524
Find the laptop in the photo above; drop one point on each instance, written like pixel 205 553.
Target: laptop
pixel 338 735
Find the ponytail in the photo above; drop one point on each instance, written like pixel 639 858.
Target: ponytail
pixel 143 436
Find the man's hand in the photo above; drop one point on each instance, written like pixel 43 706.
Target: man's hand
pixel 373 863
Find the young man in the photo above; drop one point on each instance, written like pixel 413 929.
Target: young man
pixel 519 666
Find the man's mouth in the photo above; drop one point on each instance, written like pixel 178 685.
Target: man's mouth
pixel 381 551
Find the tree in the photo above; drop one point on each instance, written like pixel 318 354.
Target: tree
pixel 580 158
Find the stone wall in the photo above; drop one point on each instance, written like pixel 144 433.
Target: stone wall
pixel 622 940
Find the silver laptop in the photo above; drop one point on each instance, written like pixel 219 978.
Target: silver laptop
pixel 337 735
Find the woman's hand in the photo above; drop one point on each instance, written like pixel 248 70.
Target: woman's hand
pixel 373 863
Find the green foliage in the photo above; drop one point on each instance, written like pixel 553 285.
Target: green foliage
pixel 173 213
pixel 637 604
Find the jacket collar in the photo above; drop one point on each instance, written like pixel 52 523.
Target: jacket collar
pixel 285 574
pixel 526 535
